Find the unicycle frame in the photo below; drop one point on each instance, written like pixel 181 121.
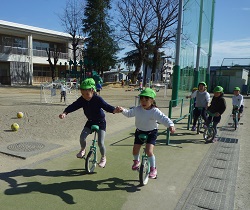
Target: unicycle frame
pixel 235 116
pixel 199 122
pixel 144 168
pixel 91 159
pixel 209 132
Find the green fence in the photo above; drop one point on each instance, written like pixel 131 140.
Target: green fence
pixel 196 42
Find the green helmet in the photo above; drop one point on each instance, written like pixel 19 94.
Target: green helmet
pixel 237 88
pixel 202 83
pixel 88 84
pixel 218 89
pixel 148 92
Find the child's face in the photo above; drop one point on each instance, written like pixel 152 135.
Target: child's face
pixel 236 92
pixel 201 88
pixel 217 94
pixel 146 102
pixel 87 94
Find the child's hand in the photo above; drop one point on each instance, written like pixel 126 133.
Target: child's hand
pixel 118 109
pixel 62 116
pixel 172 129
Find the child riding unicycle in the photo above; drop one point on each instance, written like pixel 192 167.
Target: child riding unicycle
pixel 146 117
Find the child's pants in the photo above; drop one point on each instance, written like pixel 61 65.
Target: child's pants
pixel 197 113
pixel 216 120
pixel 101 136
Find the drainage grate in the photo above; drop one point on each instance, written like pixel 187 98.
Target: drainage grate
pixel 25 146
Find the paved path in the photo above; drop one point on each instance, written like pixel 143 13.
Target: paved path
pixel 57 180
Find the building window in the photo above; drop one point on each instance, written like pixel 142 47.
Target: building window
pixel 41 71
pixel 13 41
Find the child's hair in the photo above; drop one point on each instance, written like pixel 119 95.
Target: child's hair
pixel 154 103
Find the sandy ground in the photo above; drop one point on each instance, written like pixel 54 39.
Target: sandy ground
pixel 42 124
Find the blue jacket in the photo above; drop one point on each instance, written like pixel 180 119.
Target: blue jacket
pixel 93 109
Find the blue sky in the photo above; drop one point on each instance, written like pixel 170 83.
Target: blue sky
pixel 231 37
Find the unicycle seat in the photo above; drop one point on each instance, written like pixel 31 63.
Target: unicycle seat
pixel 94 128
pixel 143 137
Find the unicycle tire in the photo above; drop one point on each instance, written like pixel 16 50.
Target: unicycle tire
pixel 236 122
pixel 90 162
pixel 144 172
pixel 209 134
pixel 198 128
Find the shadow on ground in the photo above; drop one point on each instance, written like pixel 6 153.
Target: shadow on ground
pixel 60 189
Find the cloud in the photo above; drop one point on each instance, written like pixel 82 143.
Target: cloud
pixel 246 8
pixel 230 49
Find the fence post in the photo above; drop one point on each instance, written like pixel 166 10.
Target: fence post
pixel 191 108
pixel 169 115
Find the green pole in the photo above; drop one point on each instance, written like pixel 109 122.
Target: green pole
pixel 210 47
pixel 196 73
pixel 176 74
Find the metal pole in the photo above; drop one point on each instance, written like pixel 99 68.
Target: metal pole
pixel 210 47
pixel 197 71
pixel 176 74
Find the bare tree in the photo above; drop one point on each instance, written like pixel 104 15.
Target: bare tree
pixel 71 20
pixel 165 26
pixel 55 56
pixel 147 23
pixel 135 17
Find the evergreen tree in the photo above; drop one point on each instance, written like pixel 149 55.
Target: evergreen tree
pixel 101 47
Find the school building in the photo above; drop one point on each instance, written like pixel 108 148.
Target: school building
pixel 23 56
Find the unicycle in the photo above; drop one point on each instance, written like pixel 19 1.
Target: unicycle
pixel 235 116
pixel 209 132
pixel 91 159
pixel 199 122
pixel 144 169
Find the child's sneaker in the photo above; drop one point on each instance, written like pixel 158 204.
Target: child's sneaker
pixel 136 165
pixel 102 162
pixel 80 154
pixel 153 172
pixel 215 140
pixel 193 128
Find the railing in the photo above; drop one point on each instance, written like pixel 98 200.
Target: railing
pixel 24 51
pixel 182 116
pixel 13 50
pixel 43 53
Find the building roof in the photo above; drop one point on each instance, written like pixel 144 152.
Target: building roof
pixel 20 29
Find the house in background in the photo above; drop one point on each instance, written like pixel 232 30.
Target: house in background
pixel 114 76
pixel 229 77
pixel 23 56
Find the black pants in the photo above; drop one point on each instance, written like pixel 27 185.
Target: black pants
pixel 197 112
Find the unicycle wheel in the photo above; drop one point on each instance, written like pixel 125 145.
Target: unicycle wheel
pixel 90 163
pixel 144 172
pixel 199 128
pixel 209 134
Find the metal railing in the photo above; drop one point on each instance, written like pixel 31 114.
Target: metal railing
pixel 24 51
pixel 13 50
pixel 180 101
